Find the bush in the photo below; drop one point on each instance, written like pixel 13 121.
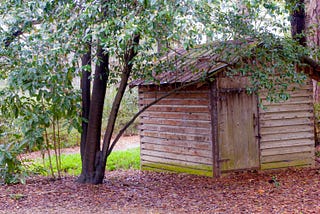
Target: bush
pixel 11 168
pixel 33 131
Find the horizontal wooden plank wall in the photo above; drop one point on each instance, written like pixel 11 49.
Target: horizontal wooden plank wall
pixel 175 133
pixel 287 130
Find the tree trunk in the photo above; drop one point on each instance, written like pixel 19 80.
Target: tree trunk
pixel 91 156
pixel 93 159
pixel 85 93
pixel 128 57
pixel 313 22
pixel 298 21
pixel 313 36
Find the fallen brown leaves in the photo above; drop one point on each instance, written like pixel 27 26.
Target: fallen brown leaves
pixel 281 191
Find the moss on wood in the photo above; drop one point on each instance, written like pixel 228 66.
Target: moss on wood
pixel 203 170
pixel 283 164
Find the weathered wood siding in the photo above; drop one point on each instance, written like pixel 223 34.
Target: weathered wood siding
pixel 287 130
pixel 176 132
pixel 237 125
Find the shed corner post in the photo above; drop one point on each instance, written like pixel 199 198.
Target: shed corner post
pixel 214 127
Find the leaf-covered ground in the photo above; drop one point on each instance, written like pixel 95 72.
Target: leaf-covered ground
pixel 280 191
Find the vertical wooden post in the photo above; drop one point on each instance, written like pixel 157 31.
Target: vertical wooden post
pixel 214 128
pixel 258 128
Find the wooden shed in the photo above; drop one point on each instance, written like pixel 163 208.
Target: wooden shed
pixel 215 126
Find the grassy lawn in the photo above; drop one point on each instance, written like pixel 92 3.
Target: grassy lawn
pixel 71 163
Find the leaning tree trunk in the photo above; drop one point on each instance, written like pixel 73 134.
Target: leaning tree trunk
pixel 91 153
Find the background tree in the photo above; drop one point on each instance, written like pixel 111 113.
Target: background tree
pixel 313 34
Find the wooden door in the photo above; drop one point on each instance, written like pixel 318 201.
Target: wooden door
pixel 237 130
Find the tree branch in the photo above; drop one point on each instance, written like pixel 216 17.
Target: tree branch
pixel 18 32
pixel 314 72
pixel 128 57
pixel 10 38
pixel 144 109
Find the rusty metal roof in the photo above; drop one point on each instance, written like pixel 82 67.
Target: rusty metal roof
pixel 183 66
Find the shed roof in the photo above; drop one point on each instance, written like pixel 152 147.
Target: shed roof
pixel 183 66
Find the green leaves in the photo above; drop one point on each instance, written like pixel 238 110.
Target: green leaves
pixel 39 68
pixel 11 170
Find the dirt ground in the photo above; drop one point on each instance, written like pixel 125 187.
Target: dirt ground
pixel 295 190
pixel 134 191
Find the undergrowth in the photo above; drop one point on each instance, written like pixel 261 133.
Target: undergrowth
pixel 128 108
pixel 55 133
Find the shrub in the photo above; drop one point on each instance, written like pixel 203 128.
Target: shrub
pixel 11 168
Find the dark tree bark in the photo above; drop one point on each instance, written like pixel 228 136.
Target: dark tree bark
pixel 91 156
pixel 313 34
pixel 298 32
pixel 313 22
pixel 93 159
pixel 298 22
pixel 85 95
pixel 128 57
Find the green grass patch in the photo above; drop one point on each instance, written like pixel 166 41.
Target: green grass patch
pixel 71 163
